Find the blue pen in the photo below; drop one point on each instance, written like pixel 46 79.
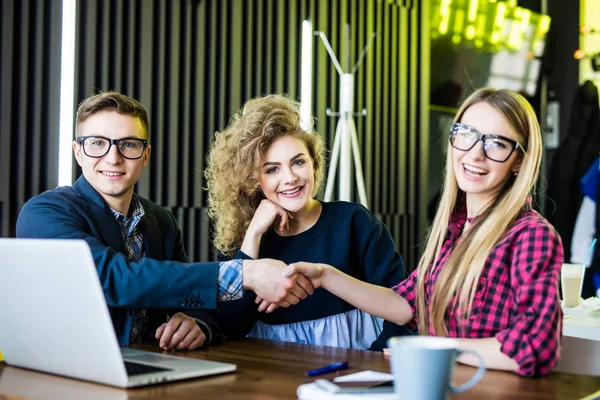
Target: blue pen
pixel 328 368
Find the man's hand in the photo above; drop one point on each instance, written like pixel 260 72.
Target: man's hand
pixel 265 277
pixel 180 333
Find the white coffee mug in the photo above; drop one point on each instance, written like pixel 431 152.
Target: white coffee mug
pixel 422 367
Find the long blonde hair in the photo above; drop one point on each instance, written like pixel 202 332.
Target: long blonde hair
pixel 462 271
pixel 234 160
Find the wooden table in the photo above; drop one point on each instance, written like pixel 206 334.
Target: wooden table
pixel 273 370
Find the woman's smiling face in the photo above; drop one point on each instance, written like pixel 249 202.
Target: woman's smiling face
pixel 478 176
pixel 287 175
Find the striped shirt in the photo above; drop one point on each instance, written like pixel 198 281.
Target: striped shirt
pixel 133 239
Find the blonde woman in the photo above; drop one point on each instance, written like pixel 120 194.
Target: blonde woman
pixel 263 173
pixel 489 273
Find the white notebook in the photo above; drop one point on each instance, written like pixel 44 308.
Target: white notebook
pixel 310 391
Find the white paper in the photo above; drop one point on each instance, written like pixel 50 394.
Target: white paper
pixel 365 376
pixel 589 306
pixel 310 391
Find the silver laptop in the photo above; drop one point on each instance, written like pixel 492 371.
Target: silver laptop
pixel 54 318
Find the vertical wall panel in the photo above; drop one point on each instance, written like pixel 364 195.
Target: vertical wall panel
pixel 368 81
pixel 144 86
pixel 199 100
pixel 395 55
pixel 222 36
pixel 412 115
pixel 422 115
pixel 186 151
pixel 104 18
pixel 405 45
pixel 173 90
pixel 292 44
pixel 236 61
pixel 34 111
pixel 23 85
pixel 248 46
pixel 377 196
pixel 160 101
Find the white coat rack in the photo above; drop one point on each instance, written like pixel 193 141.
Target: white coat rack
pixel 346 142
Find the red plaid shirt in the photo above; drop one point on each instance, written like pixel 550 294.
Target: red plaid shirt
pixel 517 296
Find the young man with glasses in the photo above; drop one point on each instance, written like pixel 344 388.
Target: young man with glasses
pixel 136 244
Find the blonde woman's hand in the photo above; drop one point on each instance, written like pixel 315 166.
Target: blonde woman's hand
pixel 312 271
pixel 301 280
pixel 298 270
pixel 266 214
pixel 266 278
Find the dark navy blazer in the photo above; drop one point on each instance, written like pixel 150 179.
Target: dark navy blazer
pixel 159 282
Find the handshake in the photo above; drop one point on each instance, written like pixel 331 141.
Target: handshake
pixel 279 285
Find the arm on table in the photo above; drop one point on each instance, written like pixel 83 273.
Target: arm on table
pixel 489 350
pixel 533 337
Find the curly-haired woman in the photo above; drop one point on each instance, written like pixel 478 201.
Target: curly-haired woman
pixel 263 173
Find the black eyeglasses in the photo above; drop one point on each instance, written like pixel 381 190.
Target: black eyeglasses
pixel 495 147
pixel 99 146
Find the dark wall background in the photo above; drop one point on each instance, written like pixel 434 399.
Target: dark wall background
pixel 193 64
pixel 561 68
pixel 30 83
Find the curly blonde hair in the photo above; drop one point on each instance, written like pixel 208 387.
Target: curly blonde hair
pixel 234 161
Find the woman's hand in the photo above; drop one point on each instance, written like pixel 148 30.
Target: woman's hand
pixel 314 272
pixel 311 271
pixel 265 215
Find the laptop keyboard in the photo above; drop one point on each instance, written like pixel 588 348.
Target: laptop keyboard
pixel 138 369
